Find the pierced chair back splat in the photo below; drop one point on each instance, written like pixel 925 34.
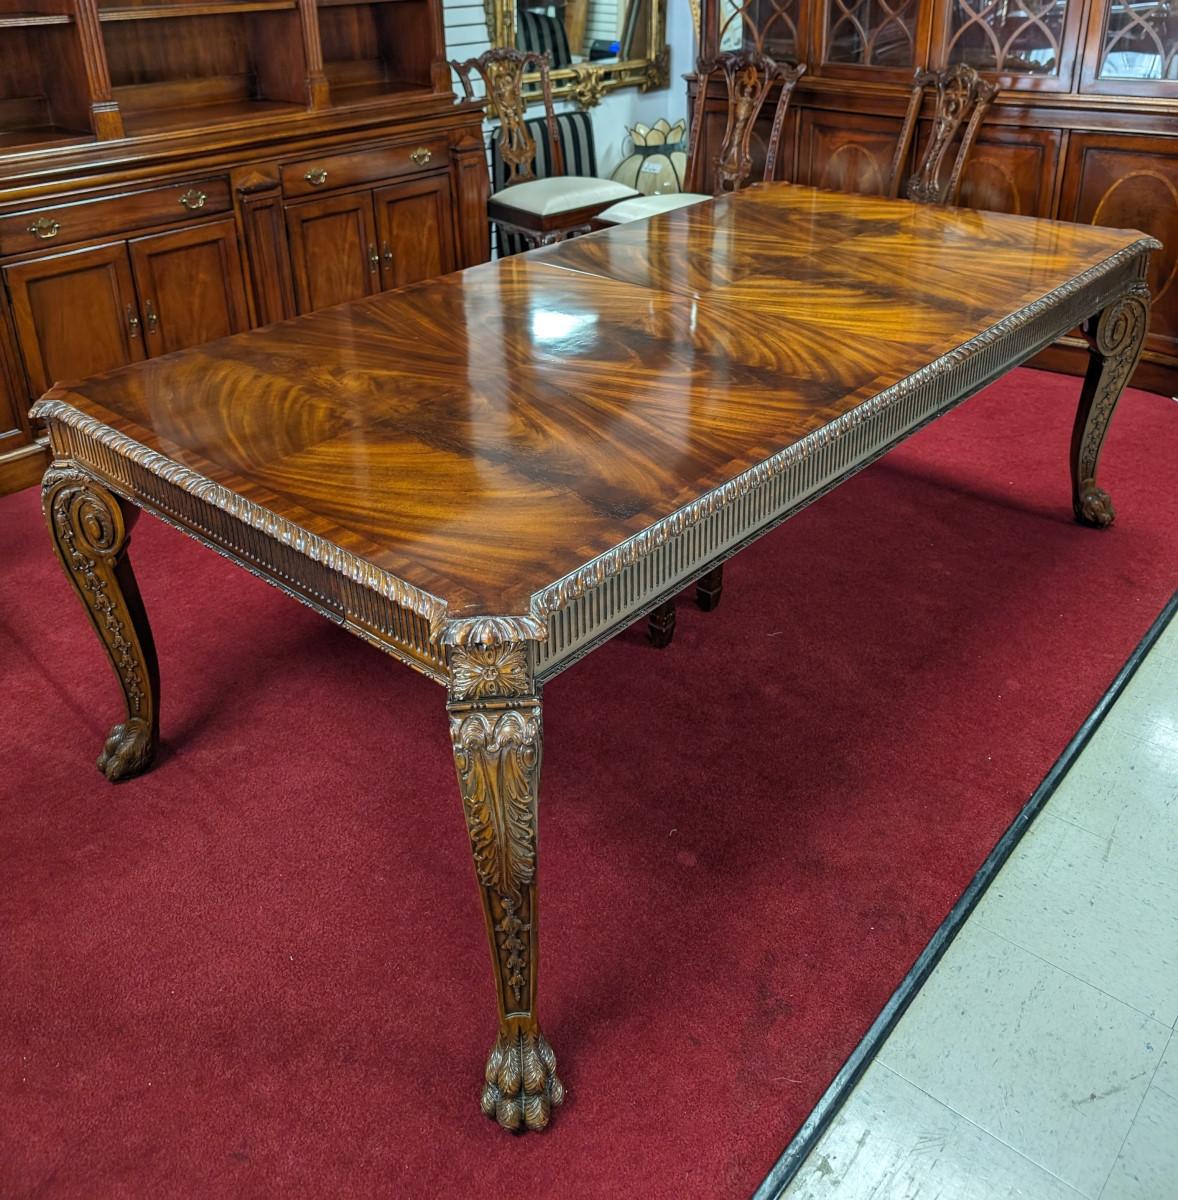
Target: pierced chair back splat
pixel 539 211
pixel 962 97
pixel 749 78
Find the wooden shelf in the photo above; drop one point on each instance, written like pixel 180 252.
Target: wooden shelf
pixel 343 94
pixel 41 135
pixel 159 12
pixel 352 3
pixel 28 20
pixel 166 120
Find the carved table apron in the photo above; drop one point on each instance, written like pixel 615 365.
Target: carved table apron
pixel 488 475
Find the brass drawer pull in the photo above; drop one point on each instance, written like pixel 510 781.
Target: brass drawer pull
pixel 421 156
pixel 44 228
pixel 316 177
pixel 153 318
pixel 132 321
pixel 387 255
pixel 373 258
pixel 193 199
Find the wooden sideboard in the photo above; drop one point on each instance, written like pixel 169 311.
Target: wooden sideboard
pixel 173 172
pixel 1077 132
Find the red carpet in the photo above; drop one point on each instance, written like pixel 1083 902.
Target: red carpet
pixel 260 970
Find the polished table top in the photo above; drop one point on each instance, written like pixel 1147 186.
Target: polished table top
pixel 483 435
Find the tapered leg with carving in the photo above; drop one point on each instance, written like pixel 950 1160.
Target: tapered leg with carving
pixel 495 728
pixel 1115 337
pixel 89 527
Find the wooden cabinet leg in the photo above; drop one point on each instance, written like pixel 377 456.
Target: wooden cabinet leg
pixel 1115 337
pixel 660 625
pixel 89 527
pixel 710 588
pixel 495 728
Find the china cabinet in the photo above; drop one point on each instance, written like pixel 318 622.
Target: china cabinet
pixel 1084 127
pixel 173 171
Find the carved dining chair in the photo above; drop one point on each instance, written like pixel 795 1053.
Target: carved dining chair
pixel 749 79
pixel 962 97
pixel 539 211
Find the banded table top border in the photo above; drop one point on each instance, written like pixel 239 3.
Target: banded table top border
pixel 533 626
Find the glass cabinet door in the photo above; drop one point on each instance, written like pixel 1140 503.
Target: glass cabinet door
pixel 1132 48
pixel 872 33
pixel 1026 43
pixel 768 26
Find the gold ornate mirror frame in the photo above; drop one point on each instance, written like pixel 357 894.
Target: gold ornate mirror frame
pixel 587 81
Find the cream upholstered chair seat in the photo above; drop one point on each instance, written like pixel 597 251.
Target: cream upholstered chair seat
pixel 650 206
pixel 561 193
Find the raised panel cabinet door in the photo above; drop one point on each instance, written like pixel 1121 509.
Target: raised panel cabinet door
pixel 75 314
pixel 1130 181
pixel 190 286
pixel 846 151
pixel 1011 170
pixel 333 250
pixel 416 231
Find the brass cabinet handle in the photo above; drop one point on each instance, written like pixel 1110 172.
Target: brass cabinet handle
pixel 153 318
pixel 316 177
pixel 387 255
pixel 45 228
pixel 193 199
pixel 132 321
pixel 421 156
pixel 373 258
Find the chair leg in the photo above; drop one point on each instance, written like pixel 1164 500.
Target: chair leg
pixel 710 588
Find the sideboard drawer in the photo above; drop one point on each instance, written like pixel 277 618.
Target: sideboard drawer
pixel 363 166
pixel 44 228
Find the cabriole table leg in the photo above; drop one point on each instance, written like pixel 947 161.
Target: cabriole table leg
pixel 89 527
pixel 1115 337
pixel 495 728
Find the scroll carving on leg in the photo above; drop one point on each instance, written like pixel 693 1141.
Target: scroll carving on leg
pixel 1115 337
pixel 495 728
pixel 89 527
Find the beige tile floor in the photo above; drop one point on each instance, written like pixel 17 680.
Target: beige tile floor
pixel 1040 1059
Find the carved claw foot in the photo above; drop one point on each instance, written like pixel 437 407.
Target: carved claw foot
pixel 128 750
pixel 522 1087
pixel 1093 506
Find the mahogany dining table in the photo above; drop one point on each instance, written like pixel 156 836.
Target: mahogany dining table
pixel 489 474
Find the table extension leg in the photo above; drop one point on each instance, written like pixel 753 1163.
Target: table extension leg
pixel 495 728
pixel 1115 338
pixel 90 530
pixel 660 625
pixel 709 588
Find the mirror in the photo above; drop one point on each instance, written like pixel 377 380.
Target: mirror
pixel 595 45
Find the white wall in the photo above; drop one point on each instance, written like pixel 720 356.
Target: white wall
pixel 466 37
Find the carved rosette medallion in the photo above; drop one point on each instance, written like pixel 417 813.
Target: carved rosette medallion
pixel 1117 335
pixel 480 671
pixel 89 534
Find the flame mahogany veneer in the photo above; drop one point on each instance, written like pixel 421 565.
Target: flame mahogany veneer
pixel 488 474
